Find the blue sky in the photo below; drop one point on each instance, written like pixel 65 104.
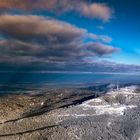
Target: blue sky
pixel 64 34
pixel 123 28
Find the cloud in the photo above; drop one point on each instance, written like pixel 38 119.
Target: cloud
pixel 23 52
pixel 106 39
pixel 101 49
pixel 97 10
pixel 44 29
pixel 38 28
pixel 12 4
pixel 39 40
pixel 15 54
pixel 91 10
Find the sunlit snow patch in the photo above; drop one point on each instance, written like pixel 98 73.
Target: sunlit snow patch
pixel 125 91
pixel 102 107
pixel 99 106
pixel 116 109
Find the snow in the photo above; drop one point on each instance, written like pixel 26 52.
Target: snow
pixel 96 100
pixel 117 109
pixel 42 103
pixel 75 115
pixel 109 123
pixel 99 106
pixel 125 91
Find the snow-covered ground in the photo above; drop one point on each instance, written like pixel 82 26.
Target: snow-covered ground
pixel 131 90
pixel 110 104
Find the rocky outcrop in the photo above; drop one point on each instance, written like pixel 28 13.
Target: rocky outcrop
pixel 72 115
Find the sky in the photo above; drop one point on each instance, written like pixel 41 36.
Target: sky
pixel 70 35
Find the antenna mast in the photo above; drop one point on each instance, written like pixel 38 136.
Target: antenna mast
pixel 117 86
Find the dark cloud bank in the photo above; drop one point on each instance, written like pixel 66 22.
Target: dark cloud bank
pixel 30 42
pixel 49 43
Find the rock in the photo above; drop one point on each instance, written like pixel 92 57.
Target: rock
pixel 71 114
